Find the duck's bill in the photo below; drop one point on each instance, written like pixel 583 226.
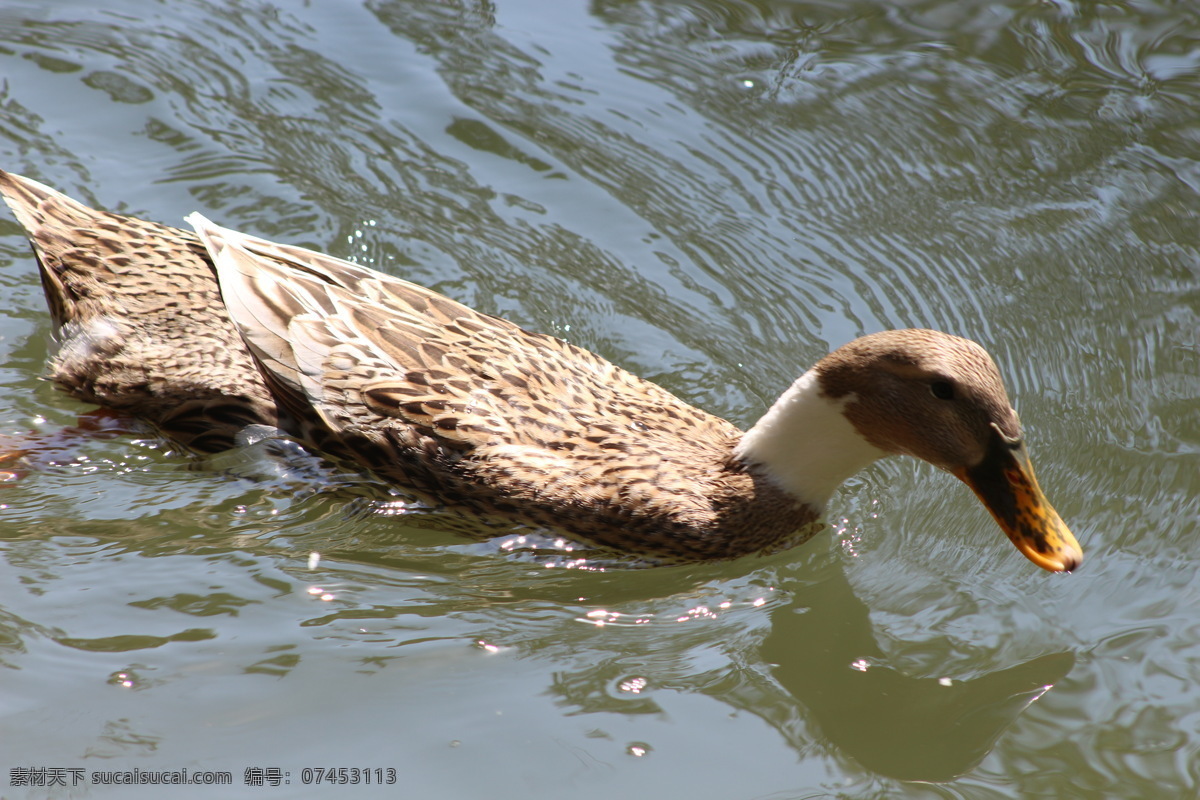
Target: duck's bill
pixel 1005 483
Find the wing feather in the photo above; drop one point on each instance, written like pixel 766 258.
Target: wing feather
pixel 378 358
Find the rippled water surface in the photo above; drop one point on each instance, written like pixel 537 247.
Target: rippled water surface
pixel 711 194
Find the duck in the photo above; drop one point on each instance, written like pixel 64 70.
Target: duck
pixel 201 333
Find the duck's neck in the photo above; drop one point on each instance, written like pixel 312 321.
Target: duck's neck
pixel 805 443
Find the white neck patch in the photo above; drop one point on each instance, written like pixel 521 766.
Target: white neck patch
pixel 805 443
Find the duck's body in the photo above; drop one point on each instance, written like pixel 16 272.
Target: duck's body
pixel 201 336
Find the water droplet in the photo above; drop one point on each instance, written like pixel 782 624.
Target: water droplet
pixel 124 679
pixel 633 685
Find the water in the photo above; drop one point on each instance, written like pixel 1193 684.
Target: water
pixel 711 194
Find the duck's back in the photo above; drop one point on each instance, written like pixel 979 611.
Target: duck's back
pixel 480 413
pixel 140 317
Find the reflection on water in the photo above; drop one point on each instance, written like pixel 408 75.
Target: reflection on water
pixel 932 728
pixel 839 690
pixel 710 193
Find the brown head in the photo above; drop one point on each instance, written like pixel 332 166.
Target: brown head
pixel 940 398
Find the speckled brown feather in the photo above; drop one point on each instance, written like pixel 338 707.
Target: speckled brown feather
pixel 140 319
pixel 472 409
pixel 466 408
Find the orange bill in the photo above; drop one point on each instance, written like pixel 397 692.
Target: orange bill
pixel 1004 481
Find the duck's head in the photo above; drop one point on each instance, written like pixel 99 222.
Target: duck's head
pixel 940 398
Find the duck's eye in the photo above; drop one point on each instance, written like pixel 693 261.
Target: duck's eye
pixel 942 390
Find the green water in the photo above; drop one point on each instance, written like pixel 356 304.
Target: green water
pixel 711 194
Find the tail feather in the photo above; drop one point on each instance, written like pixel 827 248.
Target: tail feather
pixel 142 325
